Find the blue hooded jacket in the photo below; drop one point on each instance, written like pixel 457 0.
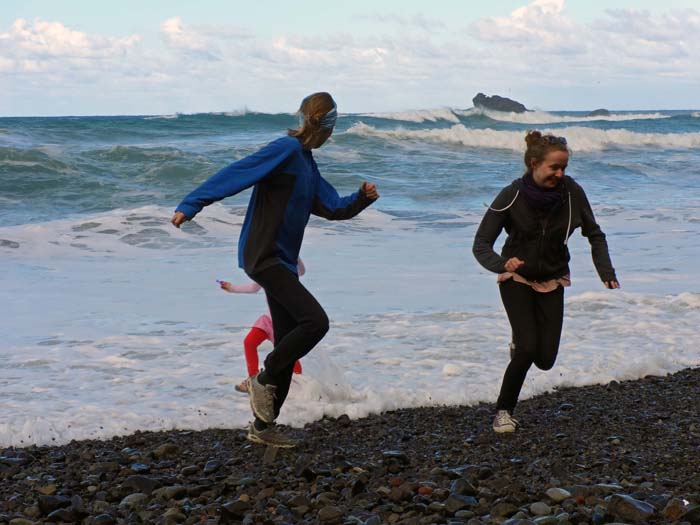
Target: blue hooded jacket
pixel 288 189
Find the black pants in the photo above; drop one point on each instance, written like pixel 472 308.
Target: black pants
pixel 536 320
pixel 298 321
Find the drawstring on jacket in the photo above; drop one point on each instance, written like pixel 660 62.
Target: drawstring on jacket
pixel 504 209
pixel 568 226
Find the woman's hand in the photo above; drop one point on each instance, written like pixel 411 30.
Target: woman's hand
pixel 370 190
pixel 225 285
pixel 513 264
pixel 611 285
pixel 178 219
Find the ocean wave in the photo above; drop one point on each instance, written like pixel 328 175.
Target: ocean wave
pixel 418 116
pixel 238 113
pixel 543 117
pixel 579 138
pixel 137 154
pixel 33 160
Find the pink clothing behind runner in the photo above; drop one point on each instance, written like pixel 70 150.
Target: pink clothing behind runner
pixel 542 286
pixel 264 322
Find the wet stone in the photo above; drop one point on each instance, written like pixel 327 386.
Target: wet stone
pixel 540 508
pixel 48 504
pixel 329 513
pixel 140 468
pixel 692 515
pixel 133 501
pixel 463 488
pixel 557 494
pixel 104 519
pixel 627 508
pixel 142 484
pixel 456 502
pixel 547 520
pixel 503 510
pixel 63 515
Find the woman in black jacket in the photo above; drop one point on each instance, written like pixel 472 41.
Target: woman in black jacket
pixel 539 212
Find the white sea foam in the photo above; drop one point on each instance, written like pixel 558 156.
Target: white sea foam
pixel 543 117
pixel 419 115
pixel 183 378
pixel 114 329
pixel 579 138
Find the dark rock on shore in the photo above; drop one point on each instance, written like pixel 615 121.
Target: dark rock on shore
pixel 498 103
pixel 626 452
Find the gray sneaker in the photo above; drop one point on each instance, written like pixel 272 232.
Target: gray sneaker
pixel 262 399
pixel 270 436
pixel 504 422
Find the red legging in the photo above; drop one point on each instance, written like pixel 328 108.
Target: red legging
pixel 252 341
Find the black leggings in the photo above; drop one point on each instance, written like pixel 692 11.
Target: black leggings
pixel 298 321
pixel 536 320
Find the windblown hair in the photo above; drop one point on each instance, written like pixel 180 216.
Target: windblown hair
pixel 312 109
pixel 538 146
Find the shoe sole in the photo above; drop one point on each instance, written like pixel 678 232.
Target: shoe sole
pixel 265 418
pixel 255 439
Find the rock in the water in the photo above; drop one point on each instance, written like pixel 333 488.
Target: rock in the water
pixel 599 113
pixel 498 103
pixel 627 508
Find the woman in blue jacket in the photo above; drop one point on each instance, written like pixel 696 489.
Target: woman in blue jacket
pixel 288 188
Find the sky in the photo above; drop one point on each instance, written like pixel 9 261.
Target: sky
pixel 78 57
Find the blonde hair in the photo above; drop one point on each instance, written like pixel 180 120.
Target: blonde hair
pixel 311 110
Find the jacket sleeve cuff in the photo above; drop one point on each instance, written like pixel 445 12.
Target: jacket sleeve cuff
pixel 187 209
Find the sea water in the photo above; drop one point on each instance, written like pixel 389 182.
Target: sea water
pixel 113 320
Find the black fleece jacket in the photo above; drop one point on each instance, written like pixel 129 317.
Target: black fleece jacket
pixel 539 238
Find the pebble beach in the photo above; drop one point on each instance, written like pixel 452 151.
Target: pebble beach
pixel 623 452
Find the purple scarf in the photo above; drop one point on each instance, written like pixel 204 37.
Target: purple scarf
pixel 541 198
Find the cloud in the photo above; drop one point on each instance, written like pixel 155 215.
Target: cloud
pixel 418 20
pixel 539 49
pixel 543 24
pixel 188 40
pixel 32 45
pixel 625 43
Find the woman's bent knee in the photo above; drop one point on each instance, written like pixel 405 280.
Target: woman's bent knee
pixel 319 326
pixel 545 364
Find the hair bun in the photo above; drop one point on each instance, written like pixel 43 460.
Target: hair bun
pixel 533 136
